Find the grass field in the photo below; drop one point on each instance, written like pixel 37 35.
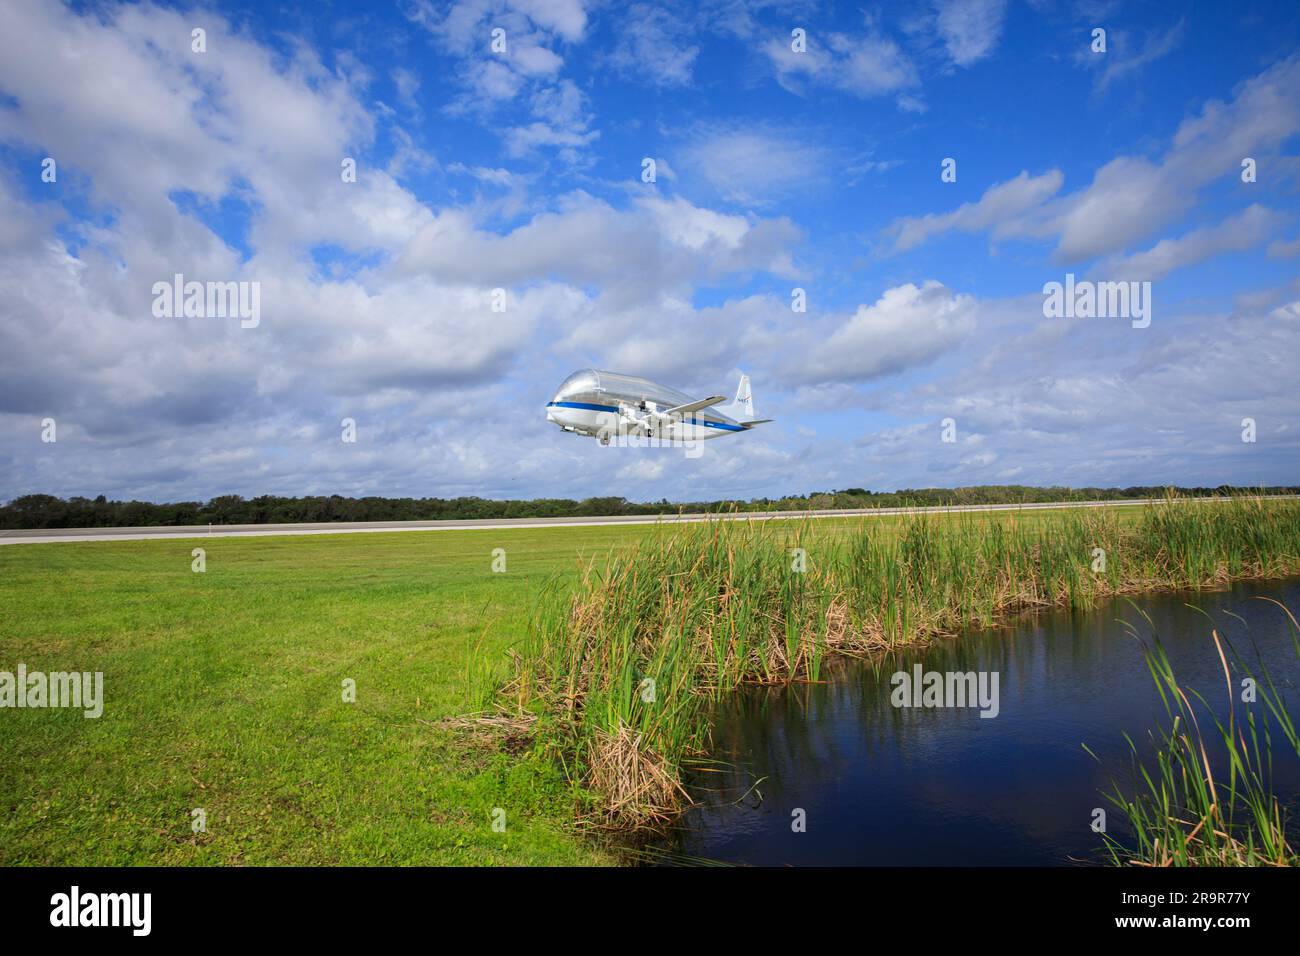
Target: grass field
pixel 223 691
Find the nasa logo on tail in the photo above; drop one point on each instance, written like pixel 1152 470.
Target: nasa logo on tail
pixel 744 398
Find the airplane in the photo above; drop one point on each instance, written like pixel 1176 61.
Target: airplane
pixel 606 404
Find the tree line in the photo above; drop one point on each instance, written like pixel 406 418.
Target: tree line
pixel 48 511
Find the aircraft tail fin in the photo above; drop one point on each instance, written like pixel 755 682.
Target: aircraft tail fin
pixel 742 409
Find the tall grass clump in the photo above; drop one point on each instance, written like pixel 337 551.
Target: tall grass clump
pixel 617 673
pixel 1203 795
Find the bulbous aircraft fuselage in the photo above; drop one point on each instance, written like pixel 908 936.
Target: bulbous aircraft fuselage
pixel 609 406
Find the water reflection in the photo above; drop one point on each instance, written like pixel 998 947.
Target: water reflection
pixel 887 786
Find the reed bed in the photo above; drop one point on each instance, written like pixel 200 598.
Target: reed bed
pixel 616 675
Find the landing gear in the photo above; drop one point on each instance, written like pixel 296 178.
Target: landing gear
pixel 604 438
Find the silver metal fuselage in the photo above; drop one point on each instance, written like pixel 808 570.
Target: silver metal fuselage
pixel 608 405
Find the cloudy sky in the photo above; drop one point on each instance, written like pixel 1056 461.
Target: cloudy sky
pixel 524 169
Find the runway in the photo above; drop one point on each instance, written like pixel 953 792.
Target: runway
pixel 64 535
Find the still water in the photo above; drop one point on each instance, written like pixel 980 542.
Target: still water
pixel 881 785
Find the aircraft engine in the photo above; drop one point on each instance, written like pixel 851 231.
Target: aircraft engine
pixel 634 420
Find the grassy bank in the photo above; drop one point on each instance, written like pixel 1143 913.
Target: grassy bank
pixel 614 678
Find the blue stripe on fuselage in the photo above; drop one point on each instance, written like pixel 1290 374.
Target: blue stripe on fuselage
pixel 584 405
pixel 592 407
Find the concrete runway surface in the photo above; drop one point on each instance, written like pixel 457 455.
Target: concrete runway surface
pixel 55 535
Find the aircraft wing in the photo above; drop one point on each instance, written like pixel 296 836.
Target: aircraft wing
pixel 694 406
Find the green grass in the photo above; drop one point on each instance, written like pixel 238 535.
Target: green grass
pixel 223 689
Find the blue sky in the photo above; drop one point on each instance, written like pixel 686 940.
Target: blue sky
pixel 522 170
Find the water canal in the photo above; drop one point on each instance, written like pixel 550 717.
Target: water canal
pixel 895 786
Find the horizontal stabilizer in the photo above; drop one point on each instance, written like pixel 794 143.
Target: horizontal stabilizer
pixel 695 406
pixel 760 421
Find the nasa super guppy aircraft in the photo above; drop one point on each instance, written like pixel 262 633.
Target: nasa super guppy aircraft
pixel 607 405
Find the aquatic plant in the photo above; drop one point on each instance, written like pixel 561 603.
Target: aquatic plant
pixel 616 674
pixel 1203 795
